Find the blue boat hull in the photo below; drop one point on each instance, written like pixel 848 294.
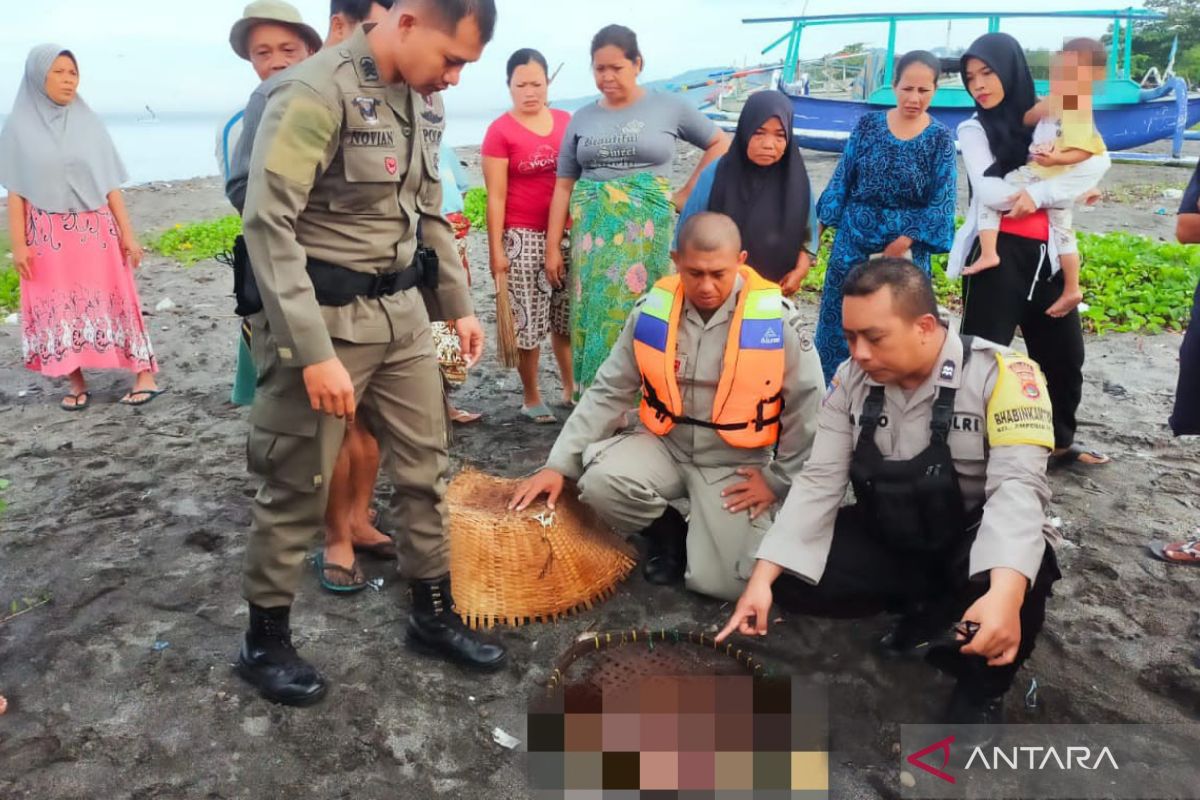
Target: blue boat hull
pixel 825 123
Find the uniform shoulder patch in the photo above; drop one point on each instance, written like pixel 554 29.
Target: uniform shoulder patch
pixel 299 140
pixel 1019 410
pixel 793 320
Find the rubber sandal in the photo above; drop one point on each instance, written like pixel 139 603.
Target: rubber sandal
pixel 1073 454
pixel 540 414
pixel 384 551
pixel 1185 552
pixel 150 395
pixel 84 396
pixel 464 417
pixel 337 588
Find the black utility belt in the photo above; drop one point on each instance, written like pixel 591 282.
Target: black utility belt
pixel 335 285
pixel 339 286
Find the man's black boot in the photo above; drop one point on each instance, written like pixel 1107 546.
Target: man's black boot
pixel 270 663
pixel 666 555
pixel 434 628
pixel 967 707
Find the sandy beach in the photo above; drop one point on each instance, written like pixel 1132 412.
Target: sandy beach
pixel 134 523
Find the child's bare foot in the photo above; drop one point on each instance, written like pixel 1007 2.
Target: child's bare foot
pixel 1066 303
pixel 982 263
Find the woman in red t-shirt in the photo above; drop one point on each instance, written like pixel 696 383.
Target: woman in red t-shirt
pixel 520 160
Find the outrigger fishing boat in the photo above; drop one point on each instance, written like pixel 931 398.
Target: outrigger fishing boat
pixel 1127 114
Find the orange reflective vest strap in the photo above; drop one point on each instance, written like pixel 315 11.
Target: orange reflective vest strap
pixel 748 404
pixel 654 345
pixel 750 390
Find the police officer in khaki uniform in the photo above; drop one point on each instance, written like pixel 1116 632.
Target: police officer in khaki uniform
pixel 945 441
pixel 344 188
pixel 730 471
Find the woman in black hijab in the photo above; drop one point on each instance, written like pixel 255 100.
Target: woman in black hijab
pixel 1019 290
pixel 763 185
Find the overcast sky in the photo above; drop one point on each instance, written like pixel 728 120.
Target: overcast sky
pixel 174 55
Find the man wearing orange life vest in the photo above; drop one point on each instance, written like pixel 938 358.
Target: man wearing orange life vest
pixel 730 389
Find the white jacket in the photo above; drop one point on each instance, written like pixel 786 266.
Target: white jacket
pixel 1058 192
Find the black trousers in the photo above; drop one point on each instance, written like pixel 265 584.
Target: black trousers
pixel 997 300
pixel 863 577
pixel 1186 419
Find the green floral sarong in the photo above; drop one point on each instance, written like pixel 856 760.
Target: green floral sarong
pixel 621 233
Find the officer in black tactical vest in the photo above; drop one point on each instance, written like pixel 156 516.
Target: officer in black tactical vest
pixel 945 441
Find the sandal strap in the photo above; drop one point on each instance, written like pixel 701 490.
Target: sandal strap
pixel 351 571
pixel 1187 549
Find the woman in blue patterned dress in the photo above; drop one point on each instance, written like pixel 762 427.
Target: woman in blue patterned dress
pixel 893 193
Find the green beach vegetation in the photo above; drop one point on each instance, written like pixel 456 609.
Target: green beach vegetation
pixel 10 282
pixel 1131 282
pixel 198 241
pixel 475 208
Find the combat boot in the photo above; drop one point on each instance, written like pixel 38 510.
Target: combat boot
pixel 666 555
pixel 434 628
pixel 270 663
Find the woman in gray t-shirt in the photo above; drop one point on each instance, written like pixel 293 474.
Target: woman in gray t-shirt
pixel 613 172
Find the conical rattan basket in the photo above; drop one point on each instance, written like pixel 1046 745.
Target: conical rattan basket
pixel 517 567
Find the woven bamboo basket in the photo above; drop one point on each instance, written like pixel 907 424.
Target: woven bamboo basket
pixel 449 353
pixel 603 667
pixel 513 568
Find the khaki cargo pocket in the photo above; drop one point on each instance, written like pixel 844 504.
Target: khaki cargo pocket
pixel 282 447
pixel 754 537
pixel 373 175
pixel 431 157
pixel 429 198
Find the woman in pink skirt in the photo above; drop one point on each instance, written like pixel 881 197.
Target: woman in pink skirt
pixel 73 245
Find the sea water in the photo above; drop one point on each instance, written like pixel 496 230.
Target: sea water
pixel 171 147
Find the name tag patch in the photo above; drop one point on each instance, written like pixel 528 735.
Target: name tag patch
pixel 371 138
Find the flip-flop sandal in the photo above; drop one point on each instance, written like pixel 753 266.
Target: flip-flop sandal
pixel 1187 552
pixel 1074 454
pixel 384 551
pixel 148 394
pixel 540 414
pixel 352 572
pixel 82 401
pixel 464 417
pixel 569 405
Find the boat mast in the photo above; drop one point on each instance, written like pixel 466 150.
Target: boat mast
pixel 890 65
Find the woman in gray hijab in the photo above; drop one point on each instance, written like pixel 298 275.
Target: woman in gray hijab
pixel 73 245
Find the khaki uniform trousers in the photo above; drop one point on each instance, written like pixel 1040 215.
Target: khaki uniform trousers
pixel 293 449
pixel 630 479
